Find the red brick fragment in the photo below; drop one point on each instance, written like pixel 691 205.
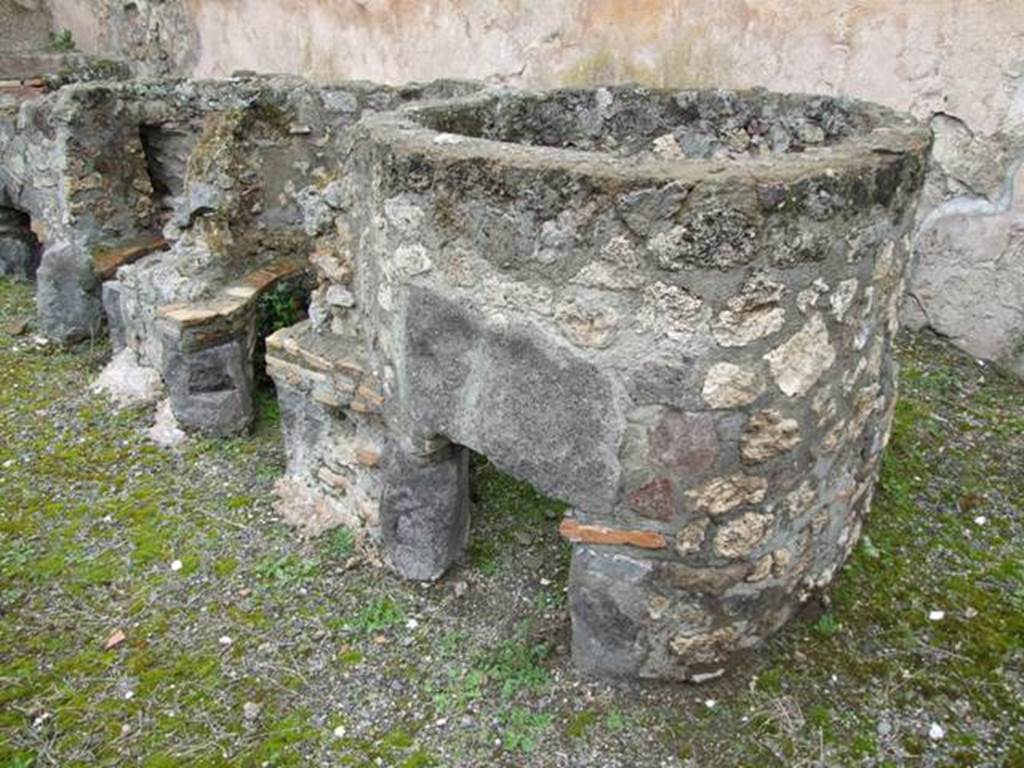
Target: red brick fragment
pixel 578 533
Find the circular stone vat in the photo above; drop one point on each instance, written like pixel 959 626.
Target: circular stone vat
pixel 673 310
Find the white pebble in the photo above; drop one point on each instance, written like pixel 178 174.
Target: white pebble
pixel 936 615
pixel 710 703
pixel 704 677
pixel 936 732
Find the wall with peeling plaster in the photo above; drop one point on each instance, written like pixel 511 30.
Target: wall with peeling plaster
pixel 24 25
pixel 959 65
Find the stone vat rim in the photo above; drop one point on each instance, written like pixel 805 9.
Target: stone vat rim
pixel 401 130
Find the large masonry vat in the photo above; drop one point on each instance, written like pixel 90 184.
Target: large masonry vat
pixel 673 310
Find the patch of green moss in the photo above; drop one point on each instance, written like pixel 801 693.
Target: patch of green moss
pixel 350 657
pixel 522 729
pixel 339 544
pixel 225 566
pixel 395 746
pixel 513 514
pixel 380 615
pixel 283 741
pixel 580 723
pixel 446 213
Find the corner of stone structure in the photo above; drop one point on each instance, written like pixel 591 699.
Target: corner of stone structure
pixel 67 300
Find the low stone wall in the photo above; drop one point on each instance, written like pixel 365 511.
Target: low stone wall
pixel 76 163
pixel 225 168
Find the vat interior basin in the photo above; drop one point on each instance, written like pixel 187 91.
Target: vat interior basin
pixel 628 121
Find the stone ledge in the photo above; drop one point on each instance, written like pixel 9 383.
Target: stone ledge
pixel 208 322
pixel 108 258
pixel 328 367
pixel 14 92
pixel 329 353
pixel 57 68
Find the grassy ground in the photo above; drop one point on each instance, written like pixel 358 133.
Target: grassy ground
pixel 246 646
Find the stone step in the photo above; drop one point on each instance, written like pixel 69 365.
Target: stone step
pixel 201 324
pixel 109 257
pixel 300 345
pixel 328 366
pixel 207 348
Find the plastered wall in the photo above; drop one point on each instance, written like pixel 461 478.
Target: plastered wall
pixel 958 64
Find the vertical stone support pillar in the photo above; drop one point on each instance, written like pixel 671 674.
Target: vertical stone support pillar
pixel 424 510
pixel 208 370
pixel 67 294
pixel 110 295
